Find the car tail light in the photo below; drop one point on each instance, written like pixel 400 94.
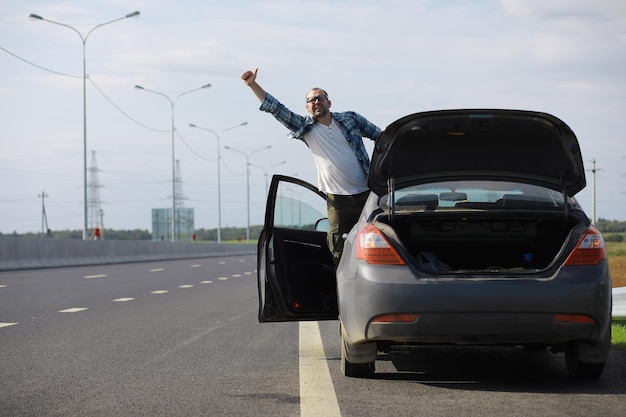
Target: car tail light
pixel 590 249
pixel 374 248
pixel 572 318
pixel 396 318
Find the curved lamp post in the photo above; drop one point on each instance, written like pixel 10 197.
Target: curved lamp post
pixel 247 155
pixel 266 173
pixel 172 103
pixel 84 41
pixel 219 161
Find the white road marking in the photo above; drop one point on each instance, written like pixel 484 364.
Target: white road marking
pixel 222 262
pixel 223 278
pixel 122 300
pixel 247 273
pixel 73 310
pixel 206 282
pixel 157 269
pixel 195 266
pixel 3 286
pixel 317 394
pixel 95 276
pixel 185 286
pixel 236 275
pixel 159 292
pixel 7 324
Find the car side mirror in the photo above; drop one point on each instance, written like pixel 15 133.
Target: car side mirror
pixel 322 225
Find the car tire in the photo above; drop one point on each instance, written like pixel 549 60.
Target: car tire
pixel 355 370
pixel 581 369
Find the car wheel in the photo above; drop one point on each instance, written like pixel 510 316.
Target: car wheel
pixel 355 370
pixel 578 368
pixel 581 369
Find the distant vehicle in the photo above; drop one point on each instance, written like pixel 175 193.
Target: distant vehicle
pixel 471 235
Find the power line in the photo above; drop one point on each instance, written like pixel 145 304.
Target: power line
pixel 39 66
pixel 122 111
pixel 103 94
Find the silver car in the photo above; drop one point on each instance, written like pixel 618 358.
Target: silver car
pixel 471 235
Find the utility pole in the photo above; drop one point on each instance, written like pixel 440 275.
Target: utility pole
pixel 593 190
pixel 44 218
pixel 93 200
pixel 179 196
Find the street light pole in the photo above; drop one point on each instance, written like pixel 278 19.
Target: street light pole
pixel 84 41
pixel 219 162
pixel 248 182
pixel 265 172
pixel 172 103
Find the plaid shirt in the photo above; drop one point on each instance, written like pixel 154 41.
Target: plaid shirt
pixel 353 126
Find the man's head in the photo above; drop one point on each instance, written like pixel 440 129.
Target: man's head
pixel 317 103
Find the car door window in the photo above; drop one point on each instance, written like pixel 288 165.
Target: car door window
pixel 297 207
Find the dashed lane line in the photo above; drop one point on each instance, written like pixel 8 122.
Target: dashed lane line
pixel 73 310
pixel 126 299
pixel 95 276
pixel 317 394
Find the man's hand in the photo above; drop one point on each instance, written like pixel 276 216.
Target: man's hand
pixel 249 77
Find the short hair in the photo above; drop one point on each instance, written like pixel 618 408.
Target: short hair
pixel 318 89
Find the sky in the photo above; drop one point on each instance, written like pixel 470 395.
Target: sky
pixel 382 59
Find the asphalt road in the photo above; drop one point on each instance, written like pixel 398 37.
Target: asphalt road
pixel 180 338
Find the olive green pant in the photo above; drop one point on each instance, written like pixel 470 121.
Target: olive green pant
pixel 343 213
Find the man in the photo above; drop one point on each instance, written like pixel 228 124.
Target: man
pixel 336 141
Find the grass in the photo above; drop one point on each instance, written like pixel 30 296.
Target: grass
pixel 618 338
pixel 617 263
pixel 617 267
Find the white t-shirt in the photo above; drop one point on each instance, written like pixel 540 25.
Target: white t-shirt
pixel 338 170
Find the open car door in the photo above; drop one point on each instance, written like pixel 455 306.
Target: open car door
pixel 296 276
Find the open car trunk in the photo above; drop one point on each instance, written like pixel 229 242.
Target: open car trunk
pixel 484 242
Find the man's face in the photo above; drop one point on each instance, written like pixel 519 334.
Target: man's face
pixel 317 103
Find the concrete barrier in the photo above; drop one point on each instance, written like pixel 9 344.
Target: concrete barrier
pixel 619 303
pixel 32 253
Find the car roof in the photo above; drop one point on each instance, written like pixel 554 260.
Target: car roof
pixel 480 144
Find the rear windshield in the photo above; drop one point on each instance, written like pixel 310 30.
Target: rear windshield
pixel 475 195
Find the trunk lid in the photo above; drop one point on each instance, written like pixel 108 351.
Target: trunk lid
pixel 479 144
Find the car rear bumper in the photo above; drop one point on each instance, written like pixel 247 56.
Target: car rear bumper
pixel 476 310
pixel 482 328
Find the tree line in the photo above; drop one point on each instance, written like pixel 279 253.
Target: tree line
pixel 612 227
pixel 202 235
